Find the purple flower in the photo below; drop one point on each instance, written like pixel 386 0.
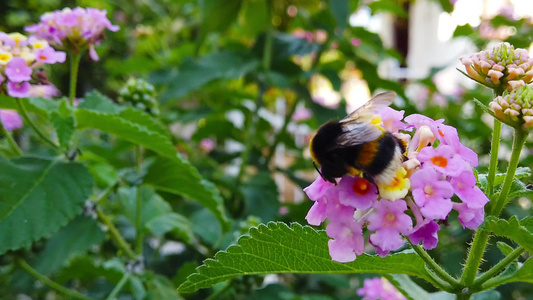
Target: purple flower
pixel 427 233
pixel 389 222
pixel 447 135
pixel 301 114
pixel 347 240
pixel 357 192
pixel 469 217
pixel 45 91
pixel 10 119
pixel 207 145
pixel 318 212
pixel 443 159
pixel 318 188
pixel 466 189
pixel 18 89
pixel 50 56
pixel 392 119
pixel 432 194
pixel 379 288
pixel 74 29
pixel 17 70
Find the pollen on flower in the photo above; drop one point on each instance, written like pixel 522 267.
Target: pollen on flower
pixel 361 187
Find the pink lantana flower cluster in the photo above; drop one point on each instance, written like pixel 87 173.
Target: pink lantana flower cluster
pixel 74 29
pixel 20 58
pixel 500 67
pixel 10 119
pixel 379 288
pixel 437 166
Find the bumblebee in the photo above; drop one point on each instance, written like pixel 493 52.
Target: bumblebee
pixel 356 145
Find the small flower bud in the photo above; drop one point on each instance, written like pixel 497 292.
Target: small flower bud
pixel 514 108
pixel 139 94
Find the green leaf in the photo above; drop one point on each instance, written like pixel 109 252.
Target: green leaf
pixel 171 222
pixel 510 229
pixel 75 238
pixel 407 287
pixel 193 75
pixel 504 248
pixel 340 9
pixel 387 6
pixel 521 172
pixel 519 189
pixel 261 196
pixel 217 15
pixel 463 30
pixel 487 295
pixel 64 126
pixel 177 176
pixel 153 205
pixel 49 193
pixel 159 287
pixel 278 248
pixel 95 101
pixel 42 107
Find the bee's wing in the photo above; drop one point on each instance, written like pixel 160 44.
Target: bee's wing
pixel 356 126
pixel 369 109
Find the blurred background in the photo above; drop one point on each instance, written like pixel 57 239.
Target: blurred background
pixel 244 117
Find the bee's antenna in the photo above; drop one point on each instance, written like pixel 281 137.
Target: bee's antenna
pixel 318 170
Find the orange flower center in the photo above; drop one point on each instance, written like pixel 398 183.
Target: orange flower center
pixel 42 57
pixel 439 161
pixel 441 133
pixel 390 217
pixel 428 190
pixel 361 186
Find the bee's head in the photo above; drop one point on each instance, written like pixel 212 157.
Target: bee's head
pixel 326 177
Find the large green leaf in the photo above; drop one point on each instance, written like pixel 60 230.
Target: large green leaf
pixel 171 222
pixel 39 106
pixel 510 229
pixel 521 172
pixel 177 176
pixel 278 248
pixel 75 238
pixel 193 75
pixel 50 193
pixel 217 15
pixel 261 196
pixel 340 9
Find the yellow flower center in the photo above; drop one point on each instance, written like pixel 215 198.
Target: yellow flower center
pixel 390 217
pixel 439 161
pixel 5 58
pixel 428 190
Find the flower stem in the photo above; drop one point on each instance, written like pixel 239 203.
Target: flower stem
pixel 74 65
pixel 56 286
pixel 138 207
pixel 496 269
pixel 115 235
pixel 24 113
pixel 493 165
pixel 432 264
pixel 475 255
pixel 519 140
pixel 12 144
pixel 118 287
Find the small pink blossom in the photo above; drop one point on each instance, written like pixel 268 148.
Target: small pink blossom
pixel 442 159
pixel 301 114
pixel 318 188
pixel 427 233
pixel 207 145
pixel 347 240
pixel 389 222
pixel 469 217
pixel 10 119
pixel 18 89
pixel 432 194
pixel 50 56
pixel 357 192
pixel 379 289
pixel 17 70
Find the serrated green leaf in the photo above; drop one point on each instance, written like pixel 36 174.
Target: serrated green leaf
pixel 527 223
pixel 278 248
pixel 75 238
pixel 42 107
pixel 510 229
pixel 95 101
pixel 519 189
pixel 50 193
pixel 171 222
pixel 64 127
pixel 177 176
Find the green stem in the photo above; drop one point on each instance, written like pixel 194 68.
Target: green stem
pixel 115 235
pixel 496 269
pixel 56 286
pixel 118 287
pixel 475 255
pixel 279 135
pixel 267 50
pixel 138 223
pixel 74 65
pixel 24 113
pixel 493 165
pixel 12 144
pixel 518 143
pixel 432 264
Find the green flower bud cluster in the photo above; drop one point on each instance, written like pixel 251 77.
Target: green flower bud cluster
pixel 140 94
pixel 515 108
pixel 501 68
